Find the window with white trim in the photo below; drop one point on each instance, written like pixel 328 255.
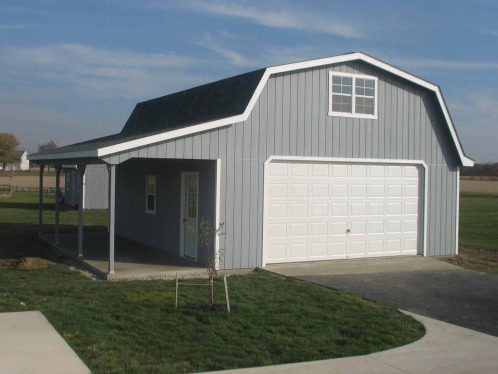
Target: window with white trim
pixel 352 95
pixel 150 194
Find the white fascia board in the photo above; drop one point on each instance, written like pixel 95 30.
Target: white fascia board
pixel 147 140
pixel 66 155
pixel 105 151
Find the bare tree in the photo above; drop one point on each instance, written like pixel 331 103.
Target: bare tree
pixel 47 147
pixel 206 236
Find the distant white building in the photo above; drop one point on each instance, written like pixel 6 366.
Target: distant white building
pixel 22 164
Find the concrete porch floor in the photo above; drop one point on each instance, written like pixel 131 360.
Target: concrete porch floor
pixel 132 260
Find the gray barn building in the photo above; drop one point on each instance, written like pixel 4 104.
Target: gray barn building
pixel 95 186
pixel 334 158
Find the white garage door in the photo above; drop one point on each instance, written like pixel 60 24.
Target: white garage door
pixel 319 211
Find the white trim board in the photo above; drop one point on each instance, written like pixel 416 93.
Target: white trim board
pixel 147 140
pixel 350 161
pixel 217 223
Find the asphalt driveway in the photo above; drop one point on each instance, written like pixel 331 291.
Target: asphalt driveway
pixel 425 286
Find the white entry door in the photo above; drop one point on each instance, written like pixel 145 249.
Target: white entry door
pixel 325 210
pixel 190 213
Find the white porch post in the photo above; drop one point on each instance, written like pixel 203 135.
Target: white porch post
pixel 57 201
pixel 40 201
pixel 81 175
pixel 112 214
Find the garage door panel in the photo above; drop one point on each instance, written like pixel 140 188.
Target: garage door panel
pixel 277 252
pixel 337 228
pixel 339 209
pixel 278 190
pixel 320 190
pixel 318 249
pixel 339 190
pixel 298 250
pixel 298 210
pixel 277 230
pixel 298 229
pixel 277 210
pixel 299 190
pixel 319 209
pixel 319 229
pixel 311 206
pixel 338 248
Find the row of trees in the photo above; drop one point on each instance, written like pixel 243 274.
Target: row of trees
pixel 481 170
pixel 8 148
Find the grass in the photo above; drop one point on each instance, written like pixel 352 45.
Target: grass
pixel 478 233
pixel 20 214
pixel 134 327
pixel 479 221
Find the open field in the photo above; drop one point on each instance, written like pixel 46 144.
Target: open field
pixel 20 182
pixel 134 327
pixel 26 173
pixel 478 232
pixel 479 185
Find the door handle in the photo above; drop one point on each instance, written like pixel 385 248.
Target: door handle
pixel 348 231
pixel 184 220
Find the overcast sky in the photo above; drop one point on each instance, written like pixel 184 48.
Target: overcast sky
pixel 71 71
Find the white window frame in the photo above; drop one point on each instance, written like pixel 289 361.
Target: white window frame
pixel 353 95
pixel 154 177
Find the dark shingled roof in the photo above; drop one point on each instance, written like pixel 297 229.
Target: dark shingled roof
pixel 209 102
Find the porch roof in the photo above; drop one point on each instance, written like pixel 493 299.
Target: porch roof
pixel 209 102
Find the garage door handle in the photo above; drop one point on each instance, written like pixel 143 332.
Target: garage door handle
pixel 348 231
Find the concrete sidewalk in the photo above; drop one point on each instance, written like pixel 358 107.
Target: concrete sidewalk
pixel 445 348
pixel 29 344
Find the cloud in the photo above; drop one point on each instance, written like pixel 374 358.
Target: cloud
pixel 428 63
pixel 492 32
pixel 476 116
pixel 235 58
pixel 278 18
pixel 96 71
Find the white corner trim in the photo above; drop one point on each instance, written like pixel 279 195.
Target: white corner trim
pixel 346 160
pixel 106 151
pixel 84 188
pixel 457 218
pixel 217 214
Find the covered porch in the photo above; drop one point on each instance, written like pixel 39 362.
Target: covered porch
pixel 132 260
pixel 139 242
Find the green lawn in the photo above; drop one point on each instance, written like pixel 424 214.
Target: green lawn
pixel 20 214
pixel 478 233
pixel 134 327
pixel 479 221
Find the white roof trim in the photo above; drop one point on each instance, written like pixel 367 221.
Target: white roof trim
pixel 58 156
pixel 146 140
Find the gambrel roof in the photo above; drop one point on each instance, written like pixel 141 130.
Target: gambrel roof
pixel 218 104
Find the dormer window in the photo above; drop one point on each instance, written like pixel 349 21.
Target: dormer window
pixel 352 95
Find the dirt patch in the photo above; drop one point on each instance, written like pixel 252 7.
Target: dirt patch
pixel 478 185
pixel 24 263
pixel 475 259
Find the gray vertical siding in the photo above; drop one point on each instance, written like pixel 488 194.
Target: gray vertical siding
pixel 96 187
pixel 291 118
